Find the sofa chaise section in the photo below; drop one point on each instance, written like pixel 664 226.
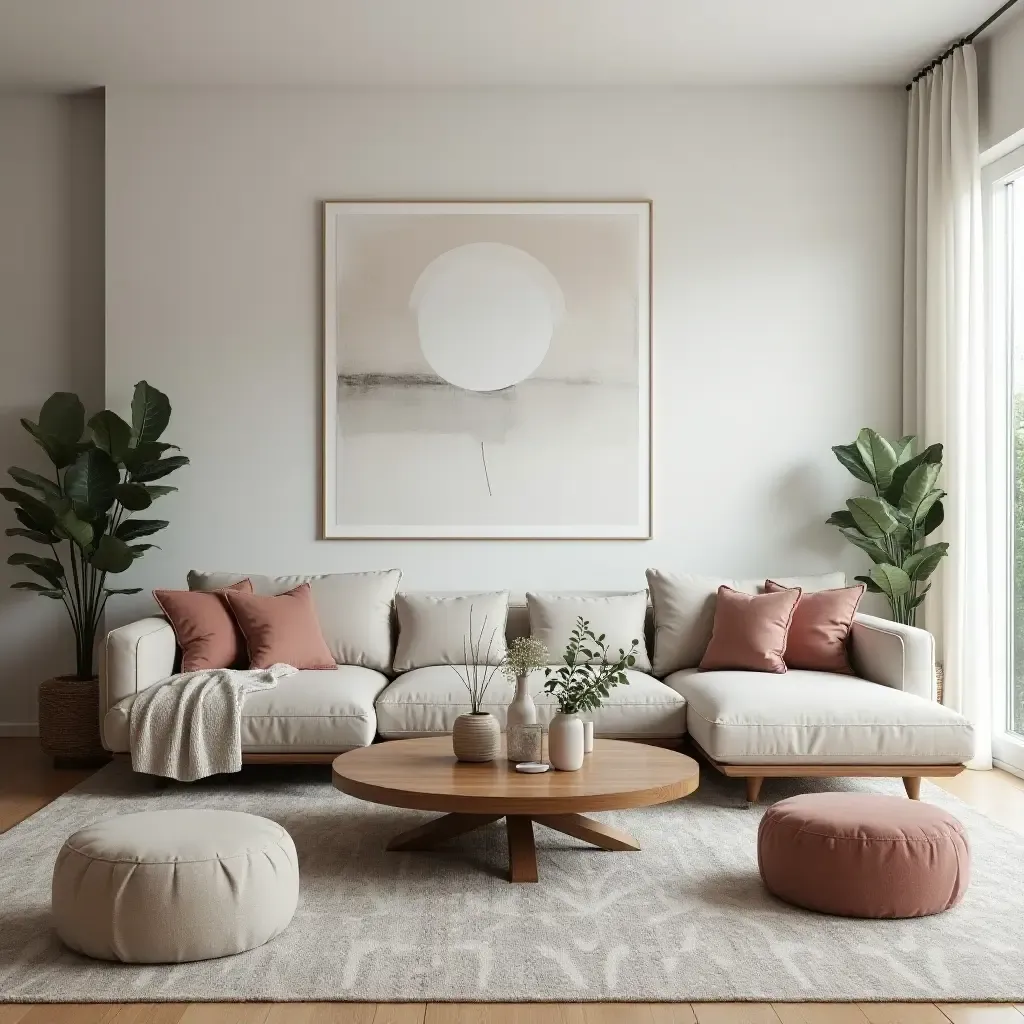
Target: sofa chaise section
pixel 308 715
pixel 882 721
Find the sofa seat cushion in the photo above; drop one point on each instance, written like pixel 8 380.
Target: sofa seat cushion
pixel 426 702
pixel 311 711
pixel 806 717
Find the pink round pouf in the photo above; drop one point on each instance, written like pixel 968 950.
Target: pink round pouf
pixel 862 855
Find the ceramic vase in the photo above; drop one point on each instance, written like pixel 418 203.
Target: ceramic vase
pixel 522 710
pixel 476 737
pixel 565 742
pixel 588 737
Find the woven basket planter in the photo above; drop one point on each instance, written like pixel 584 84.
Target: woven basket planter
pixel 69 721
pixel 476 737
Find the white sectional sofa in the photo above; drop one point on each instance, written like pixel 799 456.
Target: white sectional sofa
pixel 882 721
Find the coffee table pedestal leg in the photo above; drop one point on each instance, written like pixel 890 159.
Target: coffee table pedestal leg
pixel 522 851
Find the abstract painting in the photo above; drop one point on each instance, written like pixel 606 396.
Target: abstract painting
pixel 487 370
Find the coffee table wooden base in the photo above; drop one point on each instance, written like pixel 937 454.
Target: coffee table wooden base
pixel 522 851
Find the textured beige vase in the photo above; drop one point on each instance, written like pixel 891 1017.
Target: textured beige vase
pixel 476 737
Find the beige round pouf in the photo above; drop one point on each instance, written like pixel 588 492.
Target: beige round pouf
pixel 172 886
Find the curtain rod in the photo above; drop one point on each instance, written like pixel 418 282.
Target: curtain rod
pixel 969 38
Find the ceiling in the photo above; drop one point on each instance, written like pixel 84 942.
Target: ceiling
pixel 75 44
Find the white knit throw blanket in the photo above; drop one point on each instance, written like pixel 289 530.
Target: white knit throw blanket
pixel 190 725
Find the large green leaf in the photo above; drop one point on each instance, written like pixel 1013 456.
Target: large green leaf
pixel 159 490
pixel 34 480
pixel 123 590
pixel 111 433
pixel 138 550
pixel 37 536
pixel 869 583
pixel 848 455
pixel 878 457
pixel 904 448
pixel 157 470
pixel 91 483
pixel 873 517
pixel 38 588
pixel 931 455
pixel 919 600
pixel 874 550
pixel 134 497
pixel 920 482
pixel 921 564
pixel 144 453
pixel 933 520
pixel 42 516
pixel 842 519
pixel 891 580
pixel 76 529
pixel 131 529
pixel 62 417
pixel 151 412
pixel 49 568
pixel 111 555
pixel 59 454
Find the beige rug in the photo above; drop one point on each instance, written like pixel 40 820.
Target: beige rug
pixel 684 919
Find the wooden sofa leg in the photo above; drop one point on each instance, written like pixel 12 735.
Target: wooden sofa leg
pixel 753 788
pixel 912 784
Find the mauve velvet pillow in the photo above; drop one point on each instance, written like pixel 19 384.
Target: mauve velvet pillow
pixel 821 625
pixel 281 629
pixel 750 631
pixel 205 630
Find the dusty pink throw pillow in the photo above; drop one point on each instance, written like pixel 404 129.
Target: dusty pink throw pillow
pixel 205 630
pixel 281 629
pixel 821 625
pixel 750 631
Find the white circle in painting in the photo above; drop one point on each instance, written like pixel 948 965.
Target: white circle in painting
pixel 486 313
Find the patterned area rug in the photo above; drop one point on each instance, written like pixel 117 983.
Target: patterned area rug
pixel 684 919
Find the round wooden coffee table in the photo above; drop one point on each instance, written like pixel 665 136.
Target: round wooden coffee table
pixel 423 774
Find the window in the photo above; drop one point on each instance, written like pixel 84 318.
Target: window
pixel 1004 194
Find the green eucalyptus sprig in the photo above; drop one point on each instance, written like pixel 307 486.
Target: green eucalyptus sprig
pixel 891 526
pixel 586 675
pixel 103 474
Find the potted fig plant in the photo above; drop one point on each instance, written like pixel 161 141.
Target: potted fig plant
pixel 476 736
pixel 84 513
pixel 891 526
pixel 580 684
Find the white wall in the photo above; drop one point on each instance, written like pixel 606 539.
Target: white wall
pixel 51 339
pixel 777 280
pixel 1001 80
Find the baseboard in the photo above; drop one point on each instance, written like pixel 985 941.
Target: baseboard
pixel 19 728
pixel 1011 768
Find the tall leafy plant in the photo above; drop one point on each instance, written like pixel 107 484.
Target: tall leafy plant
pixel 103 473
pixel 891 526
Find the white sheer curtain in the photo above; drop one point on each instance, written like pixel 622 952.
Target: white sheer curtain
pixel 947 372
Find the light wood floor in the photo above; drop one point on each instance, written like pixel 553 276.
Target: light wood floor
pixel 28 782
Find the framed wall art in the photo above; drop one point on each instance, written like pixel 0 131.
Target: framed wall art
pixel 487 370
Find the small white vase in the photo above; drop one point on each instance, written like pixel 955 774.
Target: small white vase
pixel 588 737
pixel 565 742
pixel 522 710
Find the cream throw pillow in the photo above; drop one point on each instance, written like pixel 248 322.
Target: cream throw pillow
pixel 619 616
pixel 684 611
pixel 353 609
pixel 434 630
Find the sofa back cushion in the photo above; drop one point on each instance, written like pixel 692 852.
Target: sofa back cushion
pixel 621 617
pixel 433 629
pixel 684 611
pixel 354 609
